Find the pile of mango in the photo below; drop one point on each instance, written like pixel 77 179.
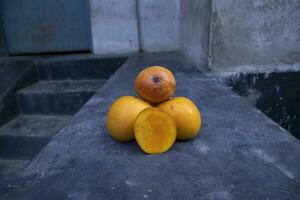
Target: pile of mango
pixel 155 119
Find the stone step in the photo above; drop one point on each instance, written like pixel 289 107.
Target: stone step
pixel 74 67
pixel 25 136
pixel 10 167
pixel 57 97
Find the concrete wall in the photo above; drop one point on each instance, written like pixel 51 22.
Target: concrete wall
pixel 255 34
pixel 194 30
pixel 226 34
pixel 35 26
pixel 158 25
pixel 114 26
pixel 130 26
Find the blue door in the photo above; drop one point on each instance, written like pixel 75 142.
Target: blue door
pixel 46 26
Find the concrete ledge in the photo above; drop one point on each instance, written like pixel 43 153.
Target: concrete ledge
pixel 239 154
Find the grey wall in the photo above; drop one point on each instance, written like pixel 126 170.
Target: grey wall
pixel 158 23
pixel 224 35
pixel 130 26
pixel 34 26
pixel 254 33
pixel 114 26
pixel 194 30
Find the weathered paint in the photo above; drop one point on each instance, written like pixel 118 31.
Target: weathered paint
pixel 33 26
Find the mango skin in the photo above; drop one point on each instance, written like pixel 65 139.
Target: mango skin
pixel 186 116
pixel 121 117
pixel 155 84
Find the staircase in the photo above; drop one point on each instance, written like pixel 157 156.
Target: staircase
pixel 46 106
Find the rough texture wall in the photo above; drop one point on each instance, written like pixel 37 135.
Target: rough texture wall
pixel 3 49
pixel 114 26
pixel 194 30
pixel 158 25
pixel 248 35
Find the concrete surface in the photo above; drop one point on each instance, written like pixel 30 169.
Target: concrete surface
pixel 64 86
pixel 194 31
pixel 34 26
pixel 130 26
pixel 114 26
pixel 158 25
pixel 57 97
pixel 224 36
pixel 35 125
pixel 77 67
pixel 56 93
pixel 239 154
pixel 15 74
pixel 26 135
pixel 7 167
pixel 255 34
